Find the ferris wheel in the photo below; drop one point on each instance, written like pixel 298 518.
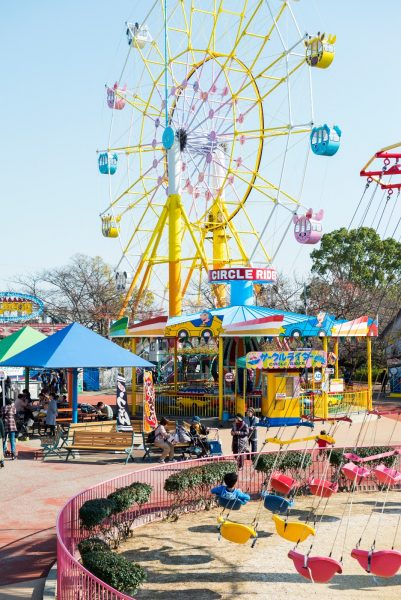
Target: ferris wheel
pixel 209 140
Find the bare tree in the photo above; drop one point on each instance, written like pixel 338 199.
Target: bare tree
pixel 84 290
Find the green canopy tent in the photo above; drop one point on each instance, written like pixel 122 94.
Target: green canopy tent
pixel 17 342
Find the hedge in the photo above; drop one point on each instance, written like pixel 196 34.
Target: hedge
pixel 194 477
pixel 92 544
pixel 288 460
pixel 115 570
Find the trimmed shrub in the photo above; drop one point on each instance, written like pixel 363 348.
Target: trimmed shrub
pixel 94 512
pixel 115 570
pixel 288 461
pixel 141 492
pixel 92 544
pixel 122 499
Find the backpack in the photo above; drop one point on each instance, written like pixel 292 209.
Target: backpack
pixel 151 437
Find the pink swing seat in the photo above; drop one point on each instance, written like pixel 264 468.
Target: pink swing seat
pixel 283 484
pixel 354 473
pixel 319 569
pixel 383 563
pixel 322 487
pixel 387 475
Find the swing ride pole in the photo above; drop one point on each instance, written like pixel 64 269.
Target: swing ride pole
pixel 221 376
pixel 132 405
pixel 175 364
pixel 325 396
pixel 369 365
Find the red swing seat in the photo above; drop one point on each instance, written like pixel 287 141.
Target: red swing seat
pixel 322 487
pixel 387 475
pixel 383 563
pixel 283 484
pixel 354 473
pixel 319 569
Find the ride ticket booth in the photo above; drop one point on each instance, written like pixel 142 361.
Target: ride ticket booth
pixel 283 401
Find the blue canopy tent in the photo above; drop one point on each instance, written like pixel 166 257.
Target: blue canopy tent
pixel 74 347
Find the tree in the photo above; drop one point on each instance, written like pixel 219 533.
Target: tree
pixel 84 290
pixel 359 257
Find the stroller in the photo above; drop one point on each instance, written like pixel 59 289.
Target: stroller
pixel 205 446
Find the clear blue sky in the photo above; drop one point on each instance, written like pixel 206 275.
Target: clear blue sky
pixel 56 58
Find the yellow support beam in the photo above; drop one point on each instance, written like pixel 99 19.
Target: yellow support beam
pixel 327 438
pixel 174 244
pixel 132 405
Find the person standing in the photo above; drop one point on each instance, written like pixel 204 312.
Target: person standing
pixel 252 421
pixel 8 414
pixel 2 440
pixel 51 415
pixel 240 434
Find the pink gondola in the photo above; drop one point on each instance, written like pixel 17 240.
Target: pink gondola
pixel 383 563
pixel 283 484
pixel 319 569
pixel 308 228
pixel 354 473
pixel 387 475
pixel 322 487
pixel 114 101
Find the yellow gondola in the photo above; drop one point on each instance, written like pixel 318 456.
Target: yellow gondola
pixel 292 531
pixel 110 226
pixel 236 532
pixel 320 50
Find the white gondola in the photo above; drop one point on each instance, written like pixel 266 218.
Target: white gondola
pixel 138 35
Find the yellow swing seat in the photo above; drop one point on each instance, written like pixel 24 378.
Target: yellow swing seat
pixel 236 532
pixel 293 531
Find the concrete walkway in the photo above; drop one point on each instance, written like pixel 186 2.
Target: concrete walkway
pixel 32 493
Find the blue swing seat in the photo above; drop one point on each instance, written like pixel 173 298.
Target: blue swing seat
pixel 229 503
pixel 277 504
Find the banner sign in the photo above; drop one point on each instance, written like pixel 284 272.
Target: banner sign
pixel 297 359
pixel 15 306
pixel 149 410
pixel 123 418
pixel 268 275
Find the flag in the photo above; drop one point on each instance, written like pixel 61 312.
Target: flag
pixel 123 418
pixel 149 409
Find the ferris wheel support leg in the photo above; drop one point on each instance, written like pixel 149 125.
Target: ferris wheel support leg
pixel 336 352
pixel 174 266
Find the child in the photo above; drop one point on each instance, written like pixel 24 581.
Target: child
pixel 229 491
pixel 322 444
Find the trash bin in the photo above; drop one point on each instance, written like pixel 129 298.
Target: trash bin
pixel 226 415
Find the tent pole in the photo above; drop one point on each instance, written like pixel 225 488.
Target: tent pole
pixel 27 378
pixel 74 395
pixel 221 377
pixel 69 387
pixel 132 408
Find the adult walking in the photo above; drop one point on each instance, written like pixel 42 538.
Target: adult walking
pixel 252 421
pixel 2 440
pixel 51 415
pixel 240 434
pixel 8 413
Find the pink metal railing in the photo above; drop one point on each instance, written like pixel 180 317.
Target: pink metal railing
pixel 74 582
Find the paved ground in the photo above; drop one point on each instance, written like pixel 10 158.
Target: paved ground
pixel 32 492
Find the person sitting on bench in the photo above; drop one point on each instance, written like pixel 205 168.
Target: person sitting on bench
pixel 162 441
pixel 104 411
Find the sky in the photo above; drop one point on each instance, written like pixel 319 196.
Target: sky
pixel 57 57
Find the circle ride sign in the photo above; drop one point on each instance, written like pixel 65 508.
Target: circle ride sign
pixel 260 275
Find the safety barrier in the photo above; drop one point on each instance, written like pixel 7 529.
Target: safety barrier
pixel 74 581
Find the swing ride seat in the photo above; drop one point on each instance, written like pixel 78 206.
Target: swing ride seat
pixel 379 456
pixel 238 533
pixel 293 531
pixel 354 473
pixel 277 504
pixel 230 503
pixel 319 569
pixel 387 475
pixel 283 484
pixel 383 563
pixel 352 457
pixel 322 487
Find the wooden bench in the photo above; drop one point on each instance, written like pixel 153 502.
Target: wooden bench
pixel 149 448
pixel 101 441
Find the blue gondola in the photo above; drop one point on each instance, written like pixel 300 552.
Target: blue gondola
pixel 230 503
pixel 107 163
pixel 277 504
pixel 325 141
